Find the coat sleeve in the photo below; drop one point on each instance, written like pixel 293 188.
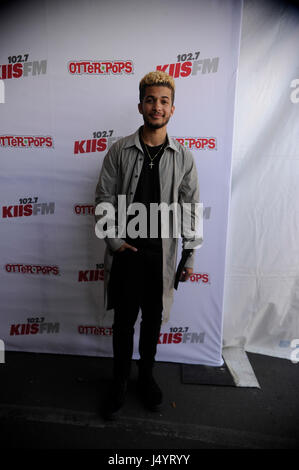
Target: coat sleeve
pixel 106 194
pixel 192 217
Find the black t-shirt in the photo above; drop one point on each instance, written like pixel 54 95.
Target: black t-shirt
pixel 147 192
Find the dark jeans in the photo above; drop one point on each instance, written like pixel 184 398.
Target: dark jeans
pixel 136 282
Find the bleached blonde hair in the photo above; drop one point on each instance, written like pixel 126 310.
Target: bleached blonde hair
pixel 157 78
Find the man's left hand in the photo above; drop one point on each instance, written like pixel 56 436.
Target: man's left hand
pixel 186 273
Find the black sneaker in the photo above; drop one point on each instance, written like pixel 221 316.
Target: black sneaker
pixel 150 392
pixel 116 399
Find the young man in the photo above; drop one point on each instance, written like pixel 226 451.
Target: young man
pixel 147 167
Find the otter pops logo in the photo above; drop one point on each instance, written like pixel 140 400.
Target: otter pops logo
pixel 100 67
pixel 29 141
pixel 32 269
pixel 198 143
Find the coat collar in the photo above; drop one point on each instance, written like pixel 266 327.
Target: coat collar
pixel 133 140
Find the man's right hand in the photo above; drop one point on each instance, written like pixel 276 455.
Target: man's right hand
pixel 126 246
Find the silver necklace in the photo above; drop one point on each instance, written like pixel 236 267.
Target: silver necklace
pixel 152 158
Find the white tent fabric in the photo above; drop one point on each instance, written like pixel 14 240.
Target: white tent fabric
pixel 261 303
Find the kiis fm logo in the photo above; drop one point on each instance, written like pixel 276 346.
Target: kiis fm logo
pixel 100 141
pixel 187 64
pixel 19 66
pixel 91 275
pixel 31 269
pixel 100 67
pixel 29 141
pixel 181 335
pixel 34 326
pixel 27 207
pixel 198 143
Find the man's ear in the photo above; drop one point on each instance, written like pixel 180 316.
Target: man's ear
pixel 172 109
pixel 140 108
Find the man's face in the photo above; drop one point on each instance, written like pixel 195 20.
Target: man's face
pixel 156 107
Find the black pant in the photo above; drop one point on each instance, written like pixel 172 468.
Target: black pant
pixel 136 282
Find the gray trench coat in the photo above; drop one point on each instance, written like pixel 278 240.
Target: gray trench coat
pixel 178 183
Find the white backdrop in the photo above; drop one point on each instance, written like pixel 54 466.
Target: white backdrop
pixel 262 276
pixel 56 127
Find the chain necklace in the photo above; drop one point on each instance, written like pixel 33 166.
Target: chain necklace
pixel 152 158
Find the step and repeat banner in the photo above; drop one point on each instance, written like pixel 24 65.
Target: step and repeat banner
pixel 69 74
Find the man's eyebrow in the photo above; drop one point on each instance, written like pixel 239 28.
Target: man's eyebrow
pixel 152 96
